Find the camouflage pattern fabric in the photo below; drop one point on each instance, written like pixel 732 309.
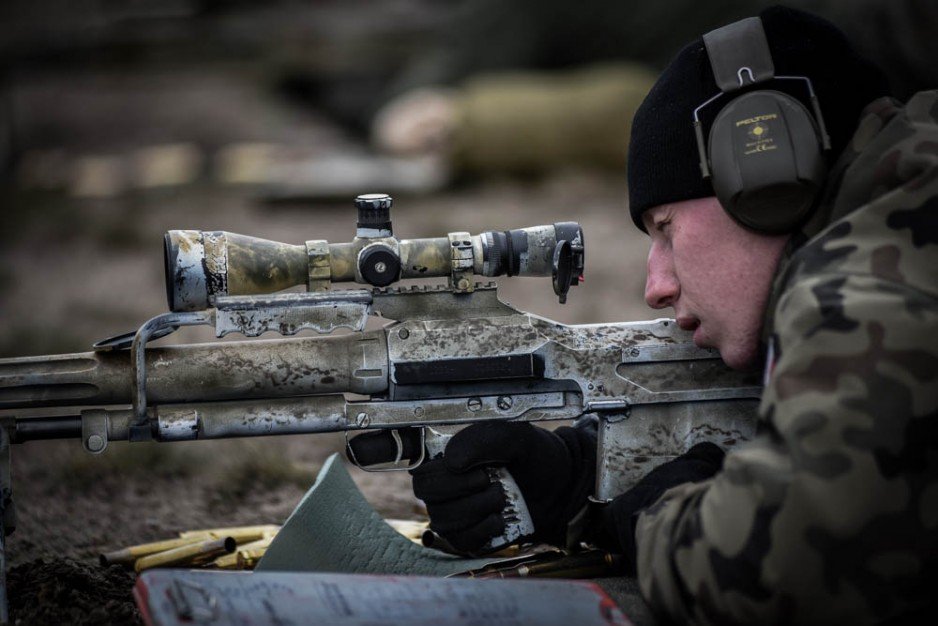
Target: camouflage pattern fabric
pixel 831 514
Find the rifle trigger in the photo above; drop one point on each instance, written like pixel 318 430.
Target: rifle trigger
pixel 396 436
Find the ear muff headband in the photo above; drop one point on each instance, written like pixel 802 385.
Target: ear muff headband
pixel 764 150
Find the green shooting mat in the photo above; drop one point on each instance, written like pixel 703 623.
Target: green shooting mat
pixel 334 529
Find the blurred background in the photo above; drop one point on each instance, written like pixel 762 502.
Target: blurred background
pixel 120 120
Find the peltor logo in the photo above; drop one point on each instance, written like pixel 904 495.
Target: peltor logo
pixel 757 119
pixel 758 130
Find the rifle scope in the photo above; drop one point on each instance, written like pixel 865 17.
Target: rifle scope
pixel 203 264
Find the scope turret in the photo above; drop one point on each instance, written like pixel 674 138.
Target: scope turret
pixel 374 215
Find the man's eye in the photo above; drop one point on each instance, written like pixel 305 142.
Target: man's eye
pixel 660 226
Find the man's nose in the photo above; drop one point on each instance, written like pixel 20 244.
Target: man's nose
pixel 661 286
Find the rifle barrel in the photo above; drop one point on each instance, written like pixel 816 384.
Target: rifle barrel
pixel 36 429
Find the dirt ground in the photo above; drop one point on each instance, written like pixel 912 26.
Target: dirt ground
pixel 74 270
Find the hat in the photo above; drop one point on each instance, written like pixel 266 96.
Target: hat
pixel 664 165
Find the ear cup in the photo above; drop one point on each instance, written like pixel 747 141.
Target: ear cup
pixel 766 161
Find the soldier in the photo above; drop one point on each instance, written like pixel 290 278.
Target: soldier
pixel 811 245
pixel 829 513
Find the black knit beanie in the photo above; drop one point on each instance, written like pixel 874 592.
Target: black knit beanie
pixel 663 162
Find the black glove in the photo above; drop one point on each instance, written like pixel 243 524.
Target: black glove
pixel 555 472
pixel 612 526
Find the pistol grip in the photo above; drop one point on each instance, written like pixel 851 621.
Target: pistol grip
pixel 518 522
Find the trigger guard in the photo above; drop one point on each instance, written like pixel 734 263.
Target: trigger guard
pixel 391 466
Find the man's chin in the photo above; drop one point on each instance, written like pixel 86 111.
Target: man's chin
pixel 737 359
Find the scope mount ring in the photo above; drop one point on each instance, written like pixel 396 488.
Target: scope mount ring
pixel 153 328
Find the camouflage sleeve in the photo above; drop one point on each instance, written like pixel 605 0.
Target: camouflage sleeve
pixel 831 513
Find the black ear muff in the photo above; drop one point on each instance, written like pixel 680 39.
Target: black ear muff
pixel 765 151
pixel 766 161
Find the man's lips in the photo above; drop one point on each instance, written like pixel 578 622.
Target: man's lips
pixel 687 322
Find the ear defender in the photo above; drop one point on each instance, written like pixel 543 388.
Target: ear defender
pixel 765 161
pixel 764 150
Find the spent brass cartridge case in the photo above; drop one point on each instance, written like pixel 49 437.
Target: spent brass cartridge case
pixel 241 534
pixel 411 529
pixel 127 556
pixel 192 554
pixel 247 559
pixel 246 556
pixel 227 561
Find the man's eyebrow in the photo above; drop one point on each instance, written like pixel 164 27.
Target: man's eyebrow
pixel 648 219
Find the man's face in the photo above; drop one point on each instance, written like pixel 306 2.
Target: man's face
pixel 714 273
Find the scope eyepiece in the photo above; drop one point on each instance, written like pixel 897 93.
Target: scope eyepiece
pixel 557 249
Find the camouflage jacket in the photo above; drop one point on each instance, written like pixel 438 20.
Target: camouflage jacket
pixel 831 513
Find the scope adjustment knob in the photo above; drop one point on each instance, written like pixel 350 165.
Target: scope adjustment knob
pixel 379 264
pixel 374 215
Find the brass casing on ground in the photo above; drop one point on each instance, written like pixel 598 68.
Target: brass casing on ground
pixel 241 534
pixel 191 554
pixel 246 556
pixel 127 556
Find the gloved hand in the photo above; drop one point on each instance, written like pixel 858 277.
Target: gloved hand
pixel 612 526
pixel 554 470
